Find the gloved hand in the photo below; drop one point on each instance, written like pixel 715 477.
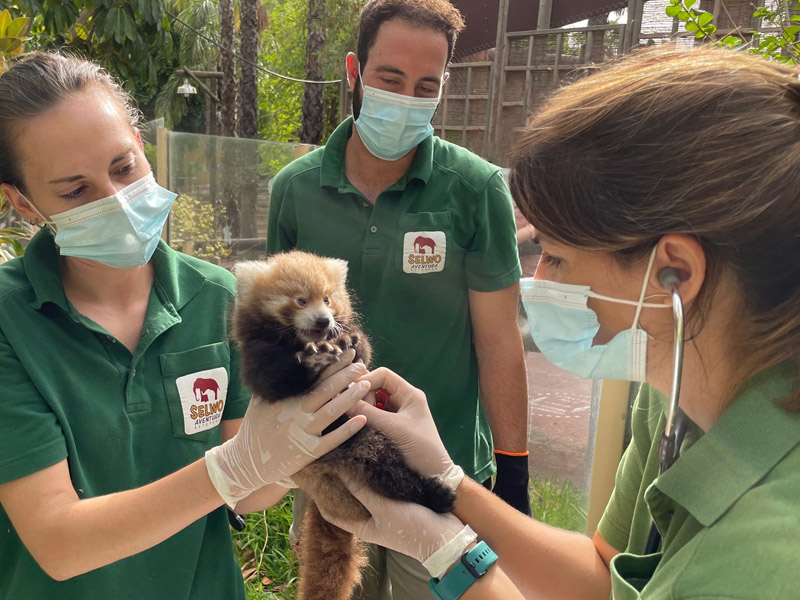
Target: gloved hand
pixel 436 540
pixel 407 420
pixel 278 439
pixel 511 481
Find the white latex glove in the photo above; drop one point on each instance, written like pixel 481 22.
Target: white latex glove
pixel 407 420
pixel 278 439
pixel 436 540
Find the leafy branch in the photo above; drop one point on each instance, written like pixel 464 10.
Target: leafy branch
pixel 781 45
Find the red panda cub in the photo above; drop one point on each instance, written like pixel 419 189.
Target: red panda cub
pixel 292 319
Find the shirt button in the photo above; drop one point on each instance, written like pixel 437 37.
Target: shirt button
pixel 373 229
pixel 366 204
pixel 134 373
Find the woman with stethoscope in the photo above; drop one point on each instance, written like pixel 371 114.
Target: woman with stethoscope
pixel 666 182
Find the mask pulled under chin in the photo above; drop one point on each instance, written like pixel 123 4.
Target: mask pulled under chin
pixel 121 230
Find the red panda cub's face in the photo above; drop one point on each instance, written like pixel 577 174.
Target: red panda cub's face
pixel 303 292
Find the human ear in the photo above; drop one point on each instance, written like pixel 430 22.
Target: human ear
pixel 682 257
pixel 19 202
pixel 352 70
pixel 139 137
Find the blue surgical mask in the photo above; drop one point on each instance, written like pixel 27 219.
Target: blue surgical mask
pixel 563 327
pixel 391 125
pixel 121 230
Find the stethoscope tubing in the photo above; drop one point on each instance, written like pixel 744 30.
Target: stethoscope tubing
pixel 675 429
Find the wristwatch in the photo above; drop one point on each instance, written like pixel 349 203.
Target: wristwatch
pixel 472 566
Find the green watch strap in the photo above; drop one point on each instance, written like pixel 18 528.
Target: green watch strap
pixel 472 566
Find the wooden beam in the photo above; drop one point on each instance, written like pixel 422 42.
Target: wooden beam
pixel 545 11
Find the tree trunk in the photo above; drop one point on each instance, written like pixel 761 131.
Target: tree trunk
pixel 228 64
pixel 248 116
pixel 230 190
pixel 313 106
pixel 249 91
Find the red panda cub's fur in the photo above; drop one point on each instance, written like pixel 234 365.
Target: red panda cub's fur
pixel 292 319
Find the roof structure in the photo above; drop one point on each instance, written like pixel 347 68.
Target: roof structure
pixel 481 18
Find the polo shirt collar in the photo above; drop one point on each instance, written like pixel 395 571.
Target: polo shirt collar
pixel 43 271
pixel 332 169
pixel 749 439
pixel 178 280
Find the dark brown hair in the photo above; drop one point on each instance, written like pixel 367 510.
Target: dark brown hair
pixel 704 142
pixel 437 15
pixel 39 82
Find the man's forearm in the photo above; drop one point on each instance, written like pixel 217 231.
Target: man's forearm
pixel 504 390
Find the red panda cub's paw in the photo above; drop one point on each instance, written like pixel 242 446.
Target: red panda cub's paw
pixel 317 356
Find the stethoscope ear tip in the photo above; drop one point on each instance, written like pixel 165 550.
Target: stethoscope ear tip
pixel 669 277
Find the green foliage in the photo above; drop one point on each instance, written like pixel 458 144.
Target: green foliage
pixel 194 52
pixel 12 37
pixel 698 21
pixel 14 231
pixel 263 550
pixel 558 503
pixel 131 39
pixel 781 43
pixel 283 51
pixel 193 226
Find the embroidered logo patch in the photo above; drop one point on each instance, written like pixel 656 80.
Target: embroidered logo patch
pixel 203 397
pixel 424 251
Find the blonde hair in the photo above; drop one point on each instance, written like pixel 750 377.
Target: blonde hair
pixel 704 142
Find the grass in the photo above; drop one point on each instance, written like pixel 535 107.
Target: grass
pixel 270 569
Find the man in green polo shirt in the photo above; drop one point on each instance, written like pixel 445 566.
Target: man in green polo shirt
pixel 428 231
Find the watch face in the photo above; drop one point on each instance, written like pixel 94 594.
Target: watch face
pixel 479 559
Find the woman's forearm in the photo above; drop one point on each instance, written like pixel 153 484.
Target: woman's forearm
pixel 542 561
pixel 68 536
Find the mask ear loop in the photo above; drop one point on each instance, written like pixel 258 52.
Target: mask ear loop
pixel 640 304
pixel 45 221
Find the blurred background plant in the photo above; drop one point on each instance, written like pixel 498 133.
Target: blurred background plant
pixel 194 226
pixel 779 39
pixel 12 37
pixel 269 568
pixel 14 231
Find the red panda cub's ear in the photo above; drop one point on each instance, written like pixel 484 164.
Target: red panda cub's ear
pixel 339 267
pixel 247 272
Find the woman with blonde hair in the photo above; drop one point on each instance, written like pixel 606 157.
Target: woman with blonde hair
pixel 664 183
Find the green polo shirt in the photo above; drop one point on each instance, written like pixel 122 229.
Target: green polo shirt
pixel 71 391
pixel 728 509
pixel 445 227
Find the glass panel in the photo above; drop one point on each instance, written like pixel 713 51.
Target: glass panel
pixel 223 186
pixel 561 416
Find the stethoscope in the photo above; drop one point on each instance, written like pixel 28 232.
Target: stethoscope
pixel 675 429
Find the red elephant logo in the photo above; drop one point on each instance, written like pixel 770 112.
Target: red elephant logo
pixel 203 387
pixel 423 242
